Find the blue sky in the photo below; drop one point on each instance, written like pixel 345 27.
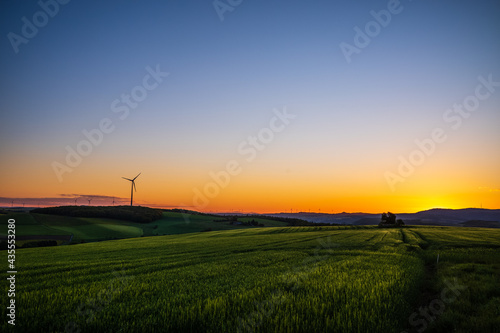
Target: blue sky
pixel 226 77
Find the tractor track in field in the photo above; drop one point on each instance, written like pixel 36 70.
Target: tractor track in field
pixel 427 292
pixel 424 244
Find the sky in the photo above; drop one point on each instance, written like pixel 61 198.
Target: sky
pixel 251 106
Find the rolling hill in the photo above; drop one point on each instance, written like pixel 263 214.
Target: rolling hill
pixel 78 224
pixel 440 217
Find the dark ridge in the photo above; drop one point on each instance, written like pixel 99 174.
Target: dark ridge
pixel 291 221
pixel 129 213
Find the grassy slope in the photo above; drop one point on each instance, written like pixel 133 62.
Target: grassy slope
pixel 98 229
pixel 266 279
pixel 27 225
pixel 177 223
pixel 91 229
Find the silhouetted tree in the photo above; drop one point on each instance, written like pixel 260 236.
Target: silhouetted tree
pixel 389 219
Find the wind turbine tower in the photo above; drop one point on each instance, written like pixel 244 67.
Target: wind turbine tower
pixel 132 189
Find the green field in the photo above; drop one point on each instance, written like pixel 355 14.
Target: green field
pixel 98 229
pixel 288 279
pixel 26 224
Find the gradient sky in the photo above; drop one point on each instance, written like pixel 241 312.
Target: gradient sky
pixel 227 79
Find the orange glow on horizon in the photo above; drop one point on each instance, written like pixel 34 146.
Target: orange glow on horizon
pixel 260 188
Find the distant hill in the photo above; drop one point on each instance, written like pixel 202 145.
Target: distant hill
pixel 459 214
pixel 453 217
pixel 340 218
pixel 471 217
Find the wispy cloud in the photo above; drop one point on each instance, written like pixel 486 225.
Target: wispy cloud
pixel 61 200
pixel 94 196
pixel 66 199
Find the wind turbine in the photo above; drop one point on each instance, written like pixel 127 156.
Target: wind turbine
pixel 89 200
pixel 75 200
pixel 113 201
pixel 132 189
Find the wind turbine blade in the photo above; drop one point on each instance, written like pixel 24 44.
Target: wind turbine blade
pixel 127 179
pixel 137 175
pixel 133 184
